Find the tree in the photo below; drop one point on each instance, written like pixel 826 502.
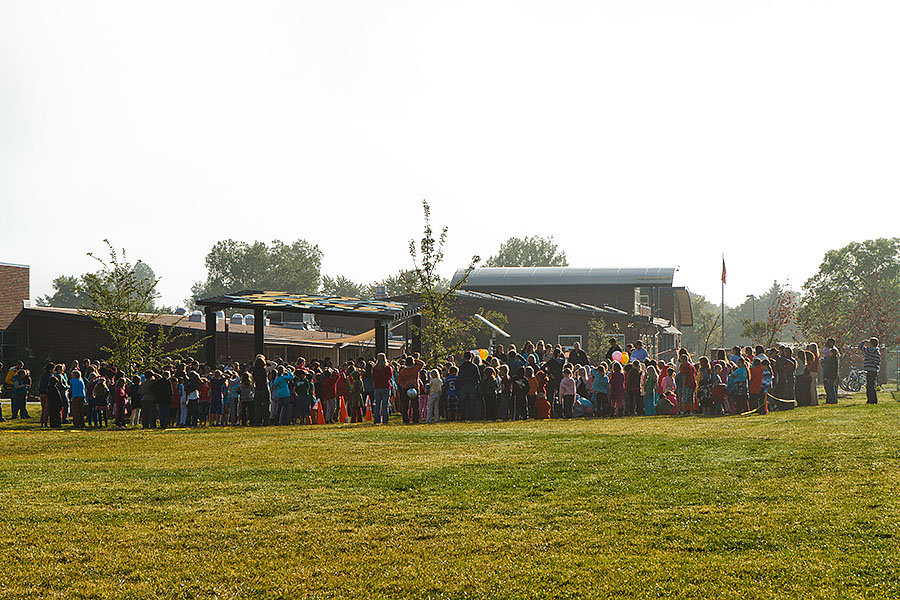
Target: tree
pixel 122 303
pixel 344 286
pixel 68 292
pixel 442 333
pixel 779 319
pixel 71 292
pixel 534 251
pixel 596 341
pixel 855 294
pixel 707 325
pixel 233 266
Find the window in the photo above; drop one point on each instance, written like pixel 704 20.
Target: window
pixel 568 341
pixel 620 339
pixel 8 345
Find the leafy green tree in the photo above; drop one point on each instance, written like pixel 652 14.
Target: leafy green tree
pixel 442 332
pixel 596 339
pixel 233 266
pixel 68 292
pixel 855 294
pixel 122 299
pixel 344 286
pixel 779 318
pixel 534 251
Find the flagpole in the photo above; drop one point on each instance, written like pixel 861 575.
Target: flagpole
pixel 723 300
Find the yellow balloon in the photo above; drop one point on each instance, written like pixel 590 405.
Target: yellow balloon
pixel 624 358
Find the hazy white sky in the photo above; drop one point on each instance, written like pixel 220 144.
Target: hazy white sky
pixel 638 133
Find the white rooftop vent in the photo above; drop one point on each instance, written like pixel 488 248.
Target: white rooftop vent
pixel 380 292
pixel 249 319
pixel 237 319
pixel 220 315
pixel 196 316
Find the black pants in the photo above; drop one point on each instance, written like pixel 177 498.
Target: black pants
pixel 568 401
pixel 634 403
pixel 148 415
pixel 247 412
pixel 871 380
pixel 521 411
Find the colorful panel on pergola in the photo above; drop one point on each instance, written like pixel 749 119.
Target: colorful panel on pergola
pixel 314 304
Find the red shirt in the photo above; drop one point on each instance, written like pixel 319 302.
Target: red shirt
pixel 381 376
pixel 688 375
pixel 756 374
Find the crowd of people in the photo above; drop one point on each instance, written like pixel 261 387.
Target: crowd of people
pixel 537 382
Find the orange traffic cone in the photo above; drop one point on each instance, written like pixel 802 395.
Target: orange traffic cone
pixel 344 417
pixel 319 416
pixel 368 413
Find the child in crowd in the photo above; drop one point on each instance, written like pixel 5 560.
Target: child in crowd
pixel 216 398
pixel 617 390
pixel 520 393
pixel 451 392
pixel 119 396
pixel 505 385
pixel 567 390
pixel 600 389
pixel 435 387
pixel 765 385
pixel 650 391
pixel 205 391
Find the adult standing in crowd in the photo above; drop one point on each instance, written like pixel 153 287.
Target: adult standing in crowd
pixel 577 356
pixel 260 391
pixel 78 395
pixel 148 402
pixel 162 395
pixel 871 364
pixel 639 354
pixel 382 374
pixel 830 370
pixel 468 380
pixel 613 348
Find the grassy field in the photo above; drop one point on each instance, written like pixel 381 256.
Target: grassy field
pixel 802 504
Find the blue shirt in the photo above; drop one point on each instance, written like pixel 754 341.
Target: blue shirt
pixel 77 387
pixel 280 386
pixel 639 354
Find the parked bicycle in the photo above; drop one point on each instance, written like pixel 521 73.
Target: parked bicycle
pixel 854 381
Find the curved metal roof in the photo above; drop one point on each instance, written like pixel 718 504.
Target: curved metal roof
pixel 522 276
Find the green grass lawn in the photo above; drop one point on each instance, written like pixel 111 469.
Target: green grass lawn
pixel 802 504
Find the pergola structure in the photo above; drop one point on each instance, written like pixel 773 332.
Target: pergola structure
pixel 385 314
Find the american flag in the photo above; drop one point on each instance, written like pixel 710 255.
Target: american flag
pixel 723 269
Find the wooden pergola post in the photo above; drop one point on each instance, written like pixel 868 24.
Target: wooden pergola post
pixel 210 314
pixel 259 331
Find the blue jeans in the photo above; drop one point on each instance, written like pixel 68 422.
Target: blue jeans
pixel 831 391
pixel 382 405
pixel 283 413
pixel 163 411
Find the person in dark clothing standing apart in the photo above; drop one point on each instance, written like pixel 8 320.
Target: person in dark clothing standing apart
pixel 261 392
pixel 577 356
pixel 162 395
pixel 830 369
pixel 468 380
pixel 871 363
pixel 554 368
